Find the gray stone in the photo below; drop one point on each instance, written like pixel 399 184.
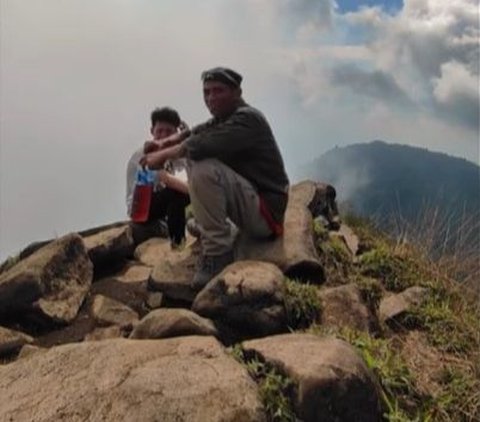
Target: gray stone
pixel 107 311
pixel 333 382
pixel 109 245
pixel 349 238
pixel 113 331
pixel 164 323
pixel 154 300
pixel 397 305
pixel 173 271
pixel 53 281
pixel 29 350
pixel 343 307
pixel 175 380
pixel 133 273
pixel 12 340
pixel 294 252
pixel 247 295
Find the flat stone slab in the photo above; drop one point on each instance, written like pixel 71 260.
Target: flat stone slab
pixel 133 273
pixel 186 379
pixel 333 382
pixel 164 323
pixel 12 340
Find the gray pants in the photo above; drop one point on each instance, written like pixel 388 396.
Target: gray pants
pixel 217 193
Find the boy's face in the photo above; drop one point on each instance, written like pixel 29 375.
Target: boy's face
pixel 161 130
pixel 220 98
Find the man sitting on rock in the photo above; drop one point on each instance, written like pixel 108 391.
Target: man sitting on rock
pixel 170 196
pixel 236 172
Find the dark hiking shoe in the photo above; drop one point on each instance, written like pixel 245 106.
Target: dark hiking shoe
pixel 209 266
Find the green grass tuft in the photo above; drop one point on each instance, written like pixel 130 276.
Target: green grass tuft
pixel 302 304
pixel 275 388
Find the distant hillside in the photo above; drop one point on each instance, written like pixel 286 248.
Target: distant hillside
pixel 379 179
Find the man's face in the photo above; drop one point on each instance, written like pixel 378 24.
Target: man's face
pixel 220 98
pixel 161 130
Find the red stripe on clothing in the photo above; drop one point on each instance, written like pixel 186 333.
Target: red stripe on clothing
pixel 276 228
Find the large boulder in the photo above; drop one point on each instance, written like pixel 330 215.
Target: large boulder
pixel 332 381
pixel 35 246
pixel 173 270
pixel 174 380
pixel 109 245
pixel 343 307
pixel 247 295
pixel 164 323
pixel 12 340
pixel 294 252
pixel 54 280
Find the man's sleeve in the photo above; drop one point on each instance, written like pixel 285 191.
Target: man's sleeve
pixel 237 133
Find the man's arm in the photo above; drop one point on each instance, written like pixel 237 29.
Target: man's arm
pixel 169 141
pixel 155 160
pixel 239 132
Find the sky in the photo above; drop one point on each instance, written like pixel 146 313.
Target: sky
pixel 79 78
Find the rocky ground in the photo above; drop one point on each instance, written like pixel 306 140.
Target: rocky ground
pixel 328 323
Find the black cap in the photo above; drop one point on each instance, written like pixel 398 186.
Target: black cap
pixel 223 74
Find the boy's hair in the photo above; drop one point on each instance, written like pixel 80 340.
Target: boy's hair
pixel 165 114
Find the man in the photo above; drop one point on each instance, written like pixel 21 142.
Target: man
pixel 170 196
pixel 236 172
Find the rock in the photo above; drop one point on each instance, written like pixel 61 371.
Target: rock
pixel 113 331
pixel 173 271
pixel 397 305
pixel 164 323
pixel 35 246
pixel 349 238
pixel 333 382
pixel 29 350
pixel 247 295
pixel 11 340
pixel 183 379
pixel 154 300
pixel 53 281
pixel 343 307
pixel 107 311
pixel 294 252
pixel 109 245
pixel 133 273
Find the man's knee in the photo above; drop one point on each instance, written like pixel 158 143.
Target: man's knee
pixel 205 171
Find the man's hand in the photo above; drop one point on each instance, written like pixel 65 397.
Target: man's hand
pixel 154 160
pixel 151 146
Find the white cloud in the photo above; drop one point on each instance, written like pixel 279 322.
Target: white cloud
pixel 455 82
